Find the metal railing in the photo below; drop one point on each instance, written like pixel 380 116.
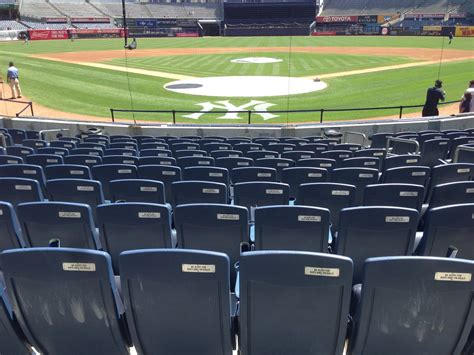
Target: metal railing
pixel 249 113
pixel 404 142
pixel 29 105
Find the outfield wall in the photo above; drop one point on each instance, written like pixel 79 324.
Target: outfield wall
pixel 367 127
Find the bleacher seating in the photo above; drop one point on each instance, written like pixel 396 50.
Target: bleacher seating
pixel 411 206
pixel 11 25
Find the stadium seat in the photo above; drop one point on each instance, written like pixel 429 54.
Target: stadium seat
pixel 54 151
pixel 395 195
pixel 210 173
pixel 302 175
pixel 347 146
pixel 86 160
pixel 261 154
pixel 117 137
pixel 443 174
pixel 455 143
pixel 185 153
pixel 361 162
pixel 359 177
pixel 63 223
pixel 316 148
pixel 129 145
pixel 217 227
pixel 10 159
pixel 185 192
pixel 96 146
pixel 416 175
pixel 301 309
pixel 171 295
pixel 296 155
pixel 137 190
pixel 380 153
pixel 366 232
pixel 121 151
pixel 253 173
pixel 75 140
pixel 20 190
pixel 18 135
pixel 337 155
pixel 301 228
pixel 190 161
pixel 109 172
pixel 67 301
pixel 210 147
pixel 166 174
pixel 276 163
pixel 120 159
pixel 233 162
pixel 379 140
pixel 10 233
pixel 88 192
pixel 265 142
pixel 95 152
pixel 299 142
pixel 155 153
pixel 433 151
pixel 449 228
pixel 237 140
pixel 153 146
pixel 44 160
pixel 133 225
pixel 403 160
pixel 413 305
pixel 332 196
pixel 183 146
pixel 34 143
pixel 452 193
pixel 12 341
pixel 155 160
pixel 247 147
pixel 324 163
pixel 281 147
pixel 20 151
pixel 67 171
pixel 226 154
pixel 260 193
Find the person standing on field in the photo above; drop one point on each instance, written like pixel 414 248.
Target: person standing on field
pixel 433 95
pixel 13 81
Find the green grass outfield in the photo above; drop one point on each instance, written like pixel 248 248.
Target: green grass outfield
pixel 93 91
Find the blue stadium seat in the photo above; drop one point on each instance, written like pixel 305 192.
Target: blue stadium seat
pixel 234 162
pixel 379 140
pixel 301 228
pixel 361 162
pixel 299 142
pixel 398 161
pixel 396 195
pixel 226 154
pixel 20 190
pixel 109 172
pixel 166 174
pixel 204 173
pixel 380 153
pixel 10 159
pixel 119 137
pixel 153 146
pixel 260 193
pixel 10 233
pixel 281 147
pixel 359 177
pixel 247 147
pixel 45 223
pixel 433 150
pixel 366 232
pixel 67 171
pixel 332 196
pixel 261 154
pixel 316 148
pixel 129 145
pixel 217 227
pixel 237 140
pixel 12 341
pixel 324 163
pixel 185 192
pixel 137 190
pixel 413 305
pixel 20 151
pixel 53 150
pixel 121 151
pixel 147 160
pixel 88 192
pixel 183 146
pixel 120 159
pixel 74 140
pixel 416 175
pixel 337 155
pixel 301 309
pixel 95 152
pixel 44 160
pixel 187 162
pixel 302 175
pixel 296 155
pixel 347 146
pixel 34 143
pixel 452 193
pixel 18 135
pixel 253 173
pixel 86 160
pixel 68 302
pixel 443 174
pixel 95 146
pixel 210 147
pixel 133 225
pixel 455 143
pixel 171 310
pixel 265 141
pixel 189 153
pixel 449 228
pixel 276 163
pixel 155 153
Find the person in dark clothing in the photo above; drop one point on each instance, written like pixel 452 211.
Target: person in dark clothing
pixel 132 45
pixel 433 95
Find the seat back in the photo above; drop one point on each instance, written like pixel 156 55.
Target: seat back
pixel 166 174
pixel 185 192
pixel 366 232
pixel 253 173
pixel 10 159
pixel 234 162
pixel 302 175
pixel 401 160
pixel 433 150
pixel 10 233
pixel 25 171
pixel 132 225
pixel 120 159
pixel 86 160
pixel 292 228
pixel 413 305
pixel 137 190
pixel 260 193
pixel 396 195
pixel 11 338
pixel 54 151
pixel 449 227
pixel 179 300
pixel 156 160
pixel 323 163
pixel 359 177
pixel 276 163
pixel 211 173
pixel 416 175
pixel 187 162
pixel 65 299
pixel 306 301
pixel 452 193
pixel 67 171
pixel 108 172
pixel 69 223
pixel 361 162
pixel 443 174
pixel 20 151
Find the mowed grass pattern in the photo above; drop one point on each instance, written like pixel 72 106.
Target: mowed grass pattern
pixel 93 91
pixel 293 64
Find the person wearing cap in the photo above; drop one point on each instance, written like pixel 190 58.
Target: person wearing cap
pixel 433 95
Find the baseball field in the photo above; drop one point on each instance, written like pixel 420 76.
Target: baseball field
pixel 85 78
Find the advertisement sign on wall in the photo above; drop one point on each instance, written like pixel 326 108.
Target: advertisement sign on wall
pixel 336 19
pixel 464 31
pixel 38 35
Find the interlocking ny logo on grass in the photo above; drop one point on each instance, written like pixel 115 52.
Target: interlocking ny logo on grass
pixel 226 105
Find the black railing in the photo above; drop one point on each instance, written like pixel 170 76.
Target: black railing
pixel 28 105
pixel 249 113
